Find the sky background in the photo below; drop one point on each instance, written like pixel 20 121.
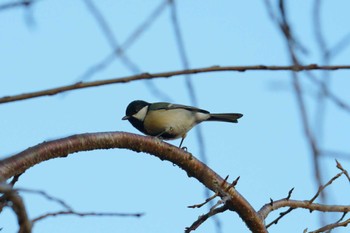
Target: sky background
pixel 56 43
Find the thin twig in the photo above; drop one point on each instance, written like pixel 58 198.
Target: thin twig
pixel 47 196
pixel 25 226
pixel 204 217
pixel 15 179
pixel 297 85
pixel 205 202
pixel 112 41
pixel 331 226
pixel 267 208
pixel 289 194
pixel 340 46
pixel 336 154
pixel 233 184
pixel 322 187
pixel 143 76
pixel 119 51
pixel 216 194
pixel 107 140
pixel 325 80
pixel 324 89
pixel 3 198
pixel 23 3
pixel 340 167
pixel 286 202
pixel 182 51
pixel 180 42
pixel 282 214
pixel 85 214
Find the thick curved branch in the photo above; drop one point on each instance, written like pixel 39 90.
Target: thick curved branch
pixel 84 142
pixel 143 76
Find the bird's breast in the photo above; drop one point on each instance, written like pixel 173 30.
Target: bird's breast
pixel 169 124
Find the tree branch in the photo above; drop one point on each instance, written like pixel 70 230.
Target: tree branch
pixel 25 225
pixel 85 214
pixel 11 5
pixel 85 142
pixel 201 219
pixel 81 85
pixel 307 204
pixel 329 227
pixel 267 208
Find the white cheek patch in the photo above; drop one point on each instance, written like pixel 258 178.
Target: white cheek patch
pixel 140 115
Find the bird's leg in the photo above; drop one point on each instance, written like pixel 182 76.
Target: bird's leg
pixel 160 135
pixel 182 140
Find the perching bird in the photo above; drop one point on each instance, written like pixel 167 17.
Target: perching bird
pixel 170 121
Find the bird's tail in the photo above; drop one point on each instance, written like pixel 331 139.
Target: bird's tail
pixel 226 117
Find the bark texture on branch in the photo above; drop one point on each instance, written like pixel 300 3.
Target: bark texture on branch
pixel 22 161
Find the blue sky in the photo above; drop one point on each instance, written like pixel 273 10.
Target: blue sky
pixel 56 42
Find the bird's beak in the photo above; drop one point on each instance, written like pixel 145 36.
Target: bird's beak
pixel 126 117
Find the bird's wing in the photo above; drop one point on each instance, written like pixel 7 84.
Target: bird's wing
pixel 169 106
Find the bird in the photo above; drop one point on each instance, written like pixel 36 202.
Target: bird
pixel 169 121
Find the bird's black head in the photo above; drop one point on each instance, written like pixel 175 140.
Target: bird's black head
pixel 134 107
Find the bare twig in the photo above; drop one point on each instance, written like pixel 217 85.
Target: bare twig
pixel 307 204
pixel 15 179
pixel 289 194
pixel 209 198
pixel 3 198
pixel 182 51
pixel 340 167
pixel 191 90
pixel 68 210
pixel 322 84
pixel 23 3
pixel 342 217
pixel 81 85
pixel 322 187
pixel 118 51
pixel 85 214
pixel 324 90
pixel 47 196
pixel 325 80
pixel 204 217
pixel 336 154
pixel 340 46
pixel 282 214
pixel 102 22
pixel 18 207
pixel 329 227
pixel 267 208
pixel 233 184
pixel 292 45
